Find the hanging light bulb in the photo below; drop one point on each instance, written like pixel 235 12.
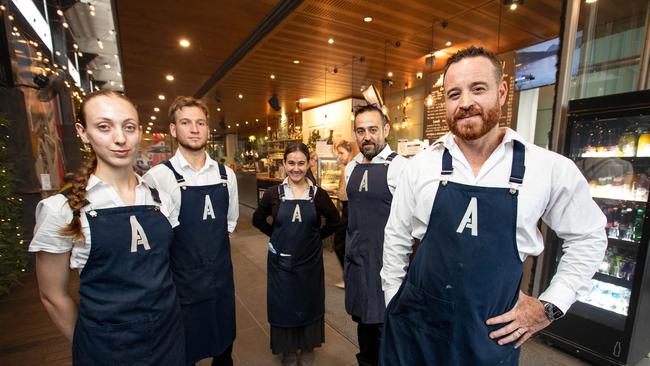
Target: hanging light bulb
pixel 429 100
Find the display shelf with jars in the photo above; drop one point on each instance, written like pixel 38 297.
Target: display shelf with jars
pixel 329 173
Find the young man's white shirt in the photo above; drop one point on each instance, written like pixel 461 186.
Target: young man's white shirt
pixel 163 178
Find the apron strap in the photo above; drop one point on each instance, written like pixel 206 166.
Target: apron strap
pixel 155 195
pixel 447 167
pixel 222 172
pixel 391 156
pixel 281 192
pixel 75 213
pixel 179 178
pixel 311 193
pixel 518 168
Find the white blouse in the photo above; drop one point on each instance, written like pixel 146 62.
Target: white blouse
pixel 53 213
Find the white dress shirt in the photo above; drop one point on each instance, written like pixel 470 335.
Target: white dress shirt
pixel 288 193
pixel 394 168
pixel 163 178
pixel 553 190
pixel 54 213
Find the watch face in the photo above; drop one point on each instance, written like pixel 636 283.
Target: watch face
pixel 552 311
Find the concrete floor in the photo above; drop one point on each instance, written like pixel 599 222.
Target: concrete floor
pixel 30 338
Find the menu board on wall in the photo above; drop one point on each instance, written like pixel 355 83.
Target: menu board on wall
pixel 435 115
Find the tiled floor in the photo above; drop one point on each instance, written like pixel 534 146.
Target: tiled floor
pixel 30 338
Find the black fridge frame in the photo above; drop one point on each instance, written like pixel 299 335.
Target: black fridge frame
pixel 587 339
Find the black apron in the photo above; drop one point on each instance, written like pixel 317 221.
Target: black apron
pixel 369 200
pixel 202 268
pixel 128 310
pixel 467 269
pixel 296 279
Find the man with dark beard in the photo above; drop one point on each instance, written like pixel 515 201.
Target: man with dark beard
pixel 205 193
pixel 371 179
pixel 474 199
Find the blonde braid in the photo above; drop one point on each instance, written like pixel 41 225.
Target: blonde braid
pixel 77 198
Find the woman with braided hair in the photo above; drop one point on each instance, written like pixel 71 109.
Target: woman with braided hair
pixel 116 231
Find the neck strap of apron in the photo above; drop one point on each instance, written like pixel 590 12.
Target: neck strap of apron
pixel 155 195
pixel 391 156
pixel 283 195
pixel 179 178
pixel 516 171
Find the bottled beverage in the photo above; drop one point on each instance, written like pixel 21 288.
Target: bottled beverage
pixel 638 224
pixel 330 138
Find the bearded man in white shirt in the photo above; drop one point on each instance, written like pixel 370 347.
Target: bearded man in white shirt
pixel 474 199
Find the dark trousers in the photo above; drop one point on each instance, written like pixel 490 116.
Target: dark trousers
pixel 368 336
pixel 339 236
pixel 224 359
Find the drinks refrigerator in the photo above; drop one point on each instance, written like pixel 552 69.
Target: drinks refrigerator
pixel 609 140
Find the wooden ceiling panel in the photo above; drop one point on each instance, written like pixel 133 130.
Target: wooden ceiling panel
pixel 150 31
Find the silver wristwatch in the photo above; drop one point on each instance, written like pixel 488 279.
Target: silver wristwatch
pixel 552 312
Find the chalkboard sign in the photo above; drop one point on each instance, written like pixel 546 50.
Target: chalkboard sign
pixel 435 115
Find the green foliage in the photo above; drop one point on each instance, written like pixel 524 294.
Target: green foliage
pixel 313 137
pixel 12 252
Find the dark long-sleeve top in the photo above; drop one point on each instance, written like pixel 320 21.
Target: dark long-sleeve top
pixel 270 203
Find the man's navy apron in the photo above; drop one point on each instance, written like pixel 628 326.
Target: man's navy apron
pixel 296 279
pixel 466 270
pixel 202 268
pixel 128 313
pixel 369 200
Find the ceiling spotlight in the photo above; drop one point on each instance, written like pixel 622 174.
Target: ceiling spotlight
pixel 65 25
pixel 107 66
pixel 150 123
pixel 149 128
pixel 121 86
pixel 268 128
pixel 169 77
pixel 57 53
pixel 112 83
pixel 156 109
pixel 80 54
pixel 448 43
pixel 330 41
pixel 367 19
pixel 297 110
pixel 11 17
pixel 240 96
pixel 418 76
pixel 90 72
pixel 272 76
pixel 60 12
pixel 153 118
pixel 76 46
pixel 390 74
pixel 513 3
pixel 228 126
pixel 237 124
pixel 246 122
pixel 161 97
pixel 218 109
pixel 184 42
pixel 257 120
pixel 296 61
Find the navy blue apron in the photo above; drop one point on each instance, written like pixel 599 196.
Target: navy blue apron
pixel 466 270
pixel 369 200
pixel 296 278
pixel 129 313
pixel 202 268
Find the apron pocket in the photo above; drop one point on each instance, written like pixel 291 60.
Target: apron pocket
pixel 114 344
pixel 195 284
pixel 420 310
pixel 283 261
pixel 131 341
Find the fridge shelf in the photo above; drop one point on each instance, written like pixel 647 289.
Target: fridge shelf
pixel 614 200
pixel 613 280
pixel 625 244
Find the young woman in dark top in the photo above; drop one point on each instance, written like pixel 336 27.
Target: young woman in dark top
pixel 296 286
